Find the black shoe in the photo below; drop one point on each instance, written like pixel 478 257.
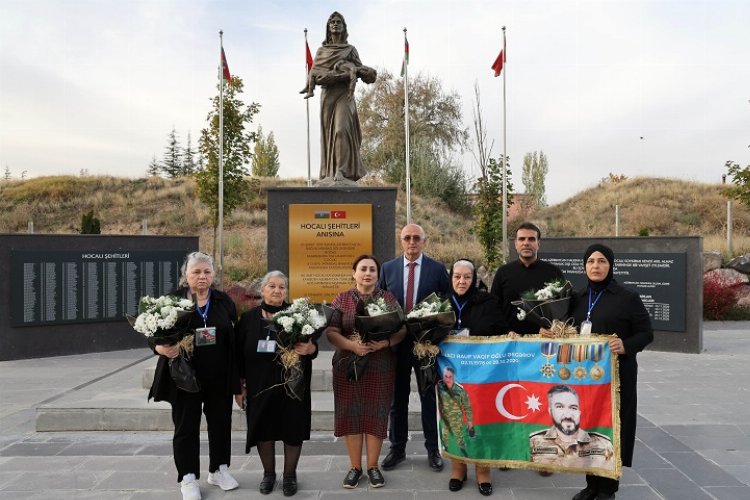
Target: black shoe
pixel 485 488
pixel 435 460
pixel 545 473
pixel 267 483
pixel 605 496
pixel 456 484
pixel 289 486
pixel 376 477
pixel 392 459
pixel 585 494
pixel 351 480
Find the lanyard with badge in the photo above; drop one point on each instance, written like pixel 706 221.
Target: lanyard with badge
pixel 206 335
pixel 267 345
pixel 459 331
pixel 586 325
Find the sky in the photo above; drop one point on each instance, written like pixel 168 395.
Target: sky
pixel 631 87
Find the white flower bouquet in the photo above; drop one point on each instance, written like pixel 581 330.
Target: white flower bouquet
pixel 300 322
pixel 545 305
pixel 163 321
pixel 377 320
pixel 429 323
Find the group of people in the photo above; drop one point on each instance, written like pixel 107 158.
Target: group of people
pixel 373 406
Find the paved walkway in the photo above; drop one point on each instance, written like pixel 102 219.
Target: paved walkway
pixel 693 439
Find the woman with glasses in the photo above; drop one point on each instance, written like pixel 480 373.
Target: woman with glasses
pixel 213 361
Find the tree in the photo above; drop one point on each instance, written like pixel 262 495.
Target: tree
pixel 189 164
pixel 535 170
pixel 488 209
pixel 434 123
pixel 266 156
pixel 172 164
pixel 154 169
pixel 741 179
pixel 237 144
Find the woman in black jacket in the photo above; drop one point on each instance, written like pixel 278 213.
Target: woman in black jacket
pixel 213 361
pixel 479 313
pixel 604 307
pixel 272 415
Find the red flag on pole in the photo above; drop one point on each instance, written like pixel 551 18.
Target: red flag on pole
pixel 405 62
pixel 497 66
pixel 308 57
pixel 225 66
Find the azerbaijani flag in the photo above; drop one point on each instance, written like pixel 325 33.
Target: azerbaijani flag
pixel 405 62
pixel 507 383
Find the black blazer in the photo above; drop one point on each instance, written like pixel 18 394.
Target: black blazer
pixel 482 315
pixel 433 277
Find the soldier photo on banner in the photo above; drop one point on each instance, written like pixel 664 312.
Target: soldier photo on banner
pixel 530 403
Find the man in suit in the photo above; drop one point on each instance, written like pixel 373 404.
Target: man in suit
pixel 411 278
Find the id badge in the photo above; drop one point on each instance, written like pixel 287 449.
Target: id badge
pixel 460 333
pixel 586 327
pixel 266 345
pixel 205 336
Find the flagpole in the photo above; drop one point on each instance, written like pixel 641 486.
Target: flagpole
pixel 220 229
pixel 307 109
pixel 505 160
pixel 406 131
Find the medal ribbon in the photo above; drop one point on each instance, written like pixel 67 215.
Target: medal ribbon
pixel 204 312
pixel 564 354
pixel 596 352
pixel 591 305
pixel 580 353
pixel 549 349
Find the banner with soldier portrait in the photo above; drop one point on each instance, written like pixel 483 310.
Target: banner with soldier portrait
pixel 530 403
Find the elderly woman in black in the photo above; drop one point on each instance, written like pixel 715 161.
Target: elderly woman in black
pixel 604 307
pixel 479 313
pixel 271 414
pixel 213 361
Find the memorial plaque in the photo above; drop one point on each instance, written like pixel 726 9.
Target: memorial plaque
pixel 324 240
pixel 659 278
pixel 80 287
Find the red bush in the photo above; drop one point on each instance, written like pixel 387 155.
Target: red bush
pixel 719 295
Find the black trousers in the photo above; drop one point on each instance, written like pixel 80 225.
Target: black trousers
pixel 186 415
pixel 602 484
pixel 398 433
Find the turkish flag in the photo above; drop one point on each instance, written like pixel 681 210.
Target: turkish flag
pixel 338 214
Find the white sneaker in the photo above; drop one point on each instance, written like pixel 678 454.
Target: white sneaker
pixel 223 479
pixel 189 488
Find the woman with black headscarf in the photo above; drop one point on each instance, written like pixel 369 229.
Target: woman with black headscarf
pixel 604 307
pixel 479 313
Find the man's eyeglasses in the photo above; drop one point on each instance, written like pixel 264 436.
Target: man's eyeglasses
pixel 412 237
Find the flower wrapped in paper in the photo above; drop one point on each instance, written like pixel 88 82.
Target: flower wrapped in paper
pixel 300 322
pixel 164 321
pixel 547 307
pixel 429 323
pixel 375 320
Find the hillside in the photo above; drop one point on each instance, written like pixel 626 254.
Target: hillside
pixel 171 207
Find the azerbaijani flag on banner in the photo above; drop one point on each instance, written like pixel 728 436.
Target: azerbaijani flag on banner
pixel 405 62
pixel 521 403
pixel 225 67
pixel 308 57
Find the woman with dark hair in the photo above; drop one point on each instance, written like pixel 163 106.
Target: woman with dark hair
pixel 213 361
pixel 361 406
pixel 606 308
pixel 478 313
pixel 272 415
pixel 336 68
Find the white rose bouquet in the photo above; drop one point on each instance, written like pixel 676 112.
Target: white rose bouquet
pixel 429 323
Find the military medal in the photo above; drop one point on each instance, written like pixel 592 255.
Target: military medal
pixel 580 354
pixel 564 356
pixel 549 351
pixel 596 352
